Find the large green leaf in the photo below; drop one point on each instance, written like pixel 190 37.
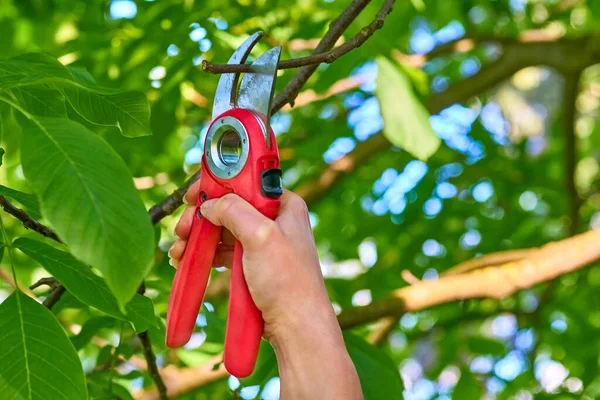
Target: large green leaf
pixel 379 376
pixel 29 201
pixel 87 287
pixel 406 121
pixel 129 111
pixel 87 194
pixel 37 359
pixel 41 100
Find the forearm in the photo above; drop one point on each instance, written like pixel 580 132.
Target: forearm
pixel 313 361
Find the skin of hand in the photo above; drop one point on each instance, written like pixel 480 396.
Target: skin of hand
pixel 284 277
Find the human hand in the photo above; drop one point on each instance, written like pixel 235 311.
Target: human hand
pixel 282 270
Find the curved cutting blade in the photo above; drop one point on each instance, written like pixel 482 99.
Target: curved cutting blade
pixel 256 89
pixel 226 95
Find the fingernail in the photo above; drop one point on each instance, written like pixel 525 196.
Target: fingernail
pixel 171 262
pixel 185 200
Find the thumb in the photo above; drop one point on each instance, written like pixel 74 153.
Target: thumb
pixel 245 222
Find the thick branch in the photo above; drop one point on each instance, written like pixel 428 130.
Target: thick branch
pixel 565 55
pixel 386 325
pixel 552 260
pixel 28 222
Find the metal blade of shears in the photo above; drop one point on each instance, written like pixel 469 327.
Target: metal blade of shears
pixel 258 85
pixel 226 95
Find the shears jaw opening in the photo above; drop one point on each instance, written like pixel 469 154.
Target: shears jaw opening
pixel 256 88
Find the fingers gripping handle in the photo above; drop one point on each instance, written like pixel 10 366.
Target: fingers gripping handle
pixel 244 323
pixel 190 280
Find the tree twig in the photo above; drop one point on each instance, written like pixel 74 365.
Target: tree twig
pixel 314 59
pixel 28 221
pixel 171 202
pixel 151 357
pixel 336 29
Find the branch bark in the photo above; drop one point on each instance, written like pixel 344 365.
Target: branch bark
pixel 316 58
pixel 552 260
pixel 336 29
pixel 27 220
pixel 565 55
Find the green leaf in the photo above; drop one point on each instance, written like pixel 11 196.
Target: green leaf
pixel 1 155
pixel 31 69
pixel 379 376
pixel 266 366
pixel 406 121
pixel 83 284
pixel 40 100
pixel 90 328
pixel 28 201
pixel 87 194
pixel 1 251
pixel 468 387
pixel 129 111
pixel 37 359
pixel 140 311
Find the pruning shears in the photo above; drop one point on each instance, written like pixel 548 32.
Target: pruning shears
pixel 241 157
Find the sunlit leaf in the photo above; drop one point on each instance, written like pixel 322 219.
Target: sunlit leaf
pixel 406 122
pixel 78 176
pixel 37 359
pixel 129 111
pixel 40 100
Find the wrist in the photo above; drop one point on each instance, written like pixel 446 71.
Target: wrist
pixel 311 340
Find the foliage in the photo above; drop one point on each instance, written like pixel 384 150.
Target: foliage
pixel 102 110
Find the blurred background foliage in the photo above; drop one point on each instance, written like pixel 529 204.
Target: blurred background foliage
pixel 497 182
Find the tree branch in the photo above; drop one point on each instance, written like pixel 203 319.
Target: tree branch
pixel 150 357
pixel 336 29
pixel 386 325
pixel 314 59
pixel 171 202
pixel 552 260
pixel 28 222
pixel 565 55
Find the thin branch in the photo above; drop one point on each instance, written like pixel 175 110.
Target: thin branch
pixel 28 222
pixel 336 29
pixel 54 296
pixel 151 357
pixel 314 59
pixel 172 202
pixel 152 368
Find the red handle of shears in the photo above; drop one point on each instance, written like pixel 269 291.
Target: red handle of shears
pixel 190 280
